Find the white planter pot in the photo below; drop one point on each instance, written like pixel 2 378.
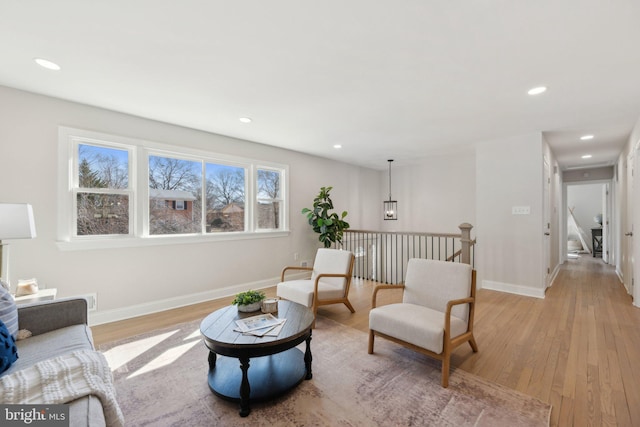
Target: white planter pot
pixel 250 307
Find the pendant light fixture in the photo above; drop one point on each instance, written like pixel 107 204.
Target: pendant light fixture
pixel 390 206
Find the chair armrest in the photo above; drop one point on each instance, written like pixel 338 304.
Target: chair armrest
pixel 380 287
pixel 450 304
pixel 320 276
pixel 293 268
pixel 45 316
pixel 447 315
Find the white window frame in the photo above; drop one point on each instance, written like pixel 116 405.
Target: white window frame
pixel 138 192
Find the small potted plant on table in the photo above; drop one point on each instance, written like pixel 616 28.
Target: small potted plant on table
pixel 249 301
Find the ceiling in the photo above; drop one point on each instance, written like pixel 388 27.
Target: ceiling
pixel 384 79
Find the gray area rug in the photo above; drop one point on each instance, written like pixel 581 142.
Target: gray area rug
pixel 161 380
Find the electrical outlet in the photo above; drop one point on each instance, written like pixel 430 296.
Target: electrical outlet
pixel 521 210
pixel 304 263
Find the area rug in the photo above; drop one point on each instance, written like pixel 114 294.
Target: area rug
pixel 161 380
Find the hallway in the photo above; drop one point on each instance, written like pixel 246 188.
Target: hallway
pixel 577 349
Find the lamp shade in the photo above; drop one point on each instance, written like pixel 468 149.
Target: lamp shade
pixel 16 221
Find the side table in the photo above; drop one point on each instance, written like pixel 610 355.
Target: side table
pixel 41 295
pixel 596 241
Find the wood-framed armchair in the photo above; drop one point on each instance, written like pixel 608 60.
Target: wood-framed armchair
pixel 329 283
pixel 436 312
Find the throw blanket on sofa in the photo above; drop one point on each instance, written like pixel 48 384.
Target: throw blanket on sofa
pixel 62 380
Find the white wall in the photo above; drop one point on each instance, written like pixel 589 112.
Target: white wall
pixel 435 194
pixel 135 280
pixel 508 174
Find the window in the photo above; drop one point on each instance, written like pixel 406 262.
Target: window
pixel 102 194
pixel 117 189
pixel 179 183
pixel 269 201
pixel 225 192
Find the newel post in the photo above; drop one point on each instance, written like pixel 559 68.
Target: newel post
pixel 465 241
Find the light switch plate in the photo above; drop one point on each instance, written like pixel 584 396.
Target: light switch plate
pixel 521 210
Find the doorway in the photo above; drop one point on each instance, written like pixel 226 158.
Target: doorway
pixel 587 220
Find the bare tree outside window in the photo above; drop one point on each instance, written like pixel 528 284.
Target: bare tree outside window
pixel 269 199
pixel 102 212
pixel 175 205
pixel 225 192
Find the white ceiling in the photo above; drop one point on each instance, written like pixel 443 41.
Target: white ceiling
pixel 385 79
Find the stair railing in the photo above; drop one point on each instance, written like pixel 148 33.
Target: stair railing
pixel 382 256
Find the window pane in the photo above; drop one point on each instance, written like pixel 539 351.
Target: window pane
pixel 268 184
pixel 268 215
pixel 225 198
pixel 102 214
pixel 100 167
pixel 268 199
pixel 174 196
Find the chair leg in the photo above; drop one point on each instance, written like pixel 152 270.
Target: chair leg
pixel 472 343
pixel 349 306
pixel 314 308
pixel 445 371
pixel 371 337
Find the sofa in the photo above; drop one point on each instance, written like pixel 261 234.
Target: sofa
pixel 58 328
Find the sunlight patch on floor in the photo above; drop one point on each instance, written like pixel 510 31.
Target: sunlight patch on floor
pixel 195 334
pixel 166 358
pixel 123 354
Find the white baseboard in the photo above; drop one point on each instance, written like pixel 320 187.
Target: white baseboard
pixel 107 316
pixel 513 289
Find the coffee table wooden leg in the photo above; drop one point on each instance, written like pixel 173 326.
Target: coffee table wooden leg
pixel 245 389
pixel 212 360
pixel 308 358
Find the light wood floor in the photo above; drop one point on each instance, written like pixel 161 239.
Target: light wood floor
pixel 578 349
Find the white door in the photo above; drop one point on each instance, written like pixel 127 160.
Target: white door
pixel 628 232
pixel 605 223
pixel 634 243
pixel 546 225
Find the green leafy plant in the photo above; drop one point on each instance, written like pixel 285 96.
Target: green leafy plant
pixel 248 297
pixel 329 225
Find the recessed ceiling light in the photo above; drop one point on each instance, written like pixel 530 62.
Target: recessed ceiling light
pixel 537 90
pixel 586 137
pixel 587 156
pixel 47 64
pixel 245 119
pixel 337 146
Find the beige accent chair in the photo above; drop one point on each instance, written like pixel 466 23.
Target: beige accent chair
pixel 329 283
pixel 436 312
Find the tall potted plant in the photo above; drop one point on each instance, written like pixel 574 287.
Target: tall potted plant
pixel 329 225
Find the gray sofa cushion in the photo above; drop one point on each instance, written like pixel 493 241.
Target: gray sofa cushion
pixel 51 344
